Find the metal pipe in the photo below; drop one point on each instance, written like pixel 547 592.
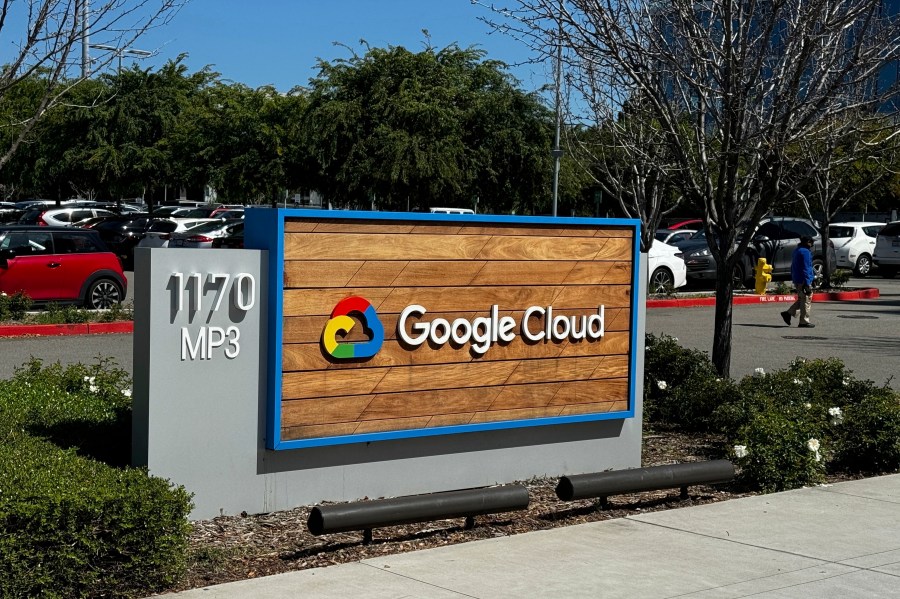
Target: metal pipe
pixel 365 515
pixel 603 484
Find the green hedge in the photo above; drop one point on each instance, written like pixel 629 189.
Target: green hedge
pixel 70 524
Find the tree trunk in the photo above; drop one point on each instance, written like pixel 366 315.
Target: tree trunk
pixel 721 353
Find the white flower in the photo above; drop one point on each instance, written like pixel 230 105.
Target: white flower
pixel 662 385
pixel 797 381
pixel 126 392
pixel 759 372
pixel 813 445
pixel 807 405
pixel 846 382
pixel 93 388
pixel 837 416
pixel 740 451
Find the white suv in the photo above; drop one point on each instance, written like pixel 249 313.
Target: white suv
pixel 887 250
pixel 854 244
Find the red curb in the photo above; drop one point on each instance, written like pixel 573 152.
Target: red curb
pixel 830 296
pixel 46 330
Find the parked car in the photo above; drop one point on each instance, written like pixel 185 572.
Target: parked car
pixel 854 243
pixel 219 211
pixel 681 222
pixel 200 212
pixel 201 236
pixel 10 215
pixel 159 233
pixel 887 250
pixel 61 217
pixel 60 264
pixel 230 214
pixel 672 236
pixel 122 233
pixel 666 267
pixel 775 239
pixel 234 238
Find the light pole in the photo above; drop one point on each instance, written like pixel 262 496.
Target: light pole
pixel 120 51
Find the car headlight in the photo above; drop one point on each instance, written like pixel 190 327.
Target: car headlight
pixel 699 254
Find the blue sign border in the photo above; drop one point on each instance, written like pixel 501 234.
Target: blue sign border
pixel 264 230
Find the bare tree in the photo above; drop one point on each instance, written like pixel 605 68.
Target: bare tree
pixel 625 155
pixel 845 161
pixel 733 85
pixel 49 39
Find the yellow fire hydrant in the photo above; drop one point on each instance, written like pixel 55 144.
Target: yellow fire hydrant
pixel 763 275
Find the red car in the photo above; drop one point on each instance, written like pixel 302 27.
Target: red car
pixel 60 264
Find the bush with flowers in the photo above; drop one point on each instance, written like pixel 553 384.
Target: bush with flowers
pixel 74 520
pixel 784 429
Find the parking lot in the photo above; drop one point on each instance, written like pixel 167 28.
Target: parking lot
pixel 862 333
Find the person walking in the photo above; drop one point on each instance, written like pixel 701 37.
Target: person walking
pixel 802 274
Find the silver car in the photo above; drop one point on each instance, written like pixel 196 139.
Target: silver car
pixel 887 250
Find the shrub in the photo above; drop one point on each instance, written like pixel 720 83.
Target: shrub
pixel 681 386
pixel 840 277
pixel 783 451
pixel 71 526
pixel 14 307
pixel 869 437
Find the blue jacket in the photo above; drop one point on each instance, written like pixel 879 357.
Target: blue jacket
pixel 802 272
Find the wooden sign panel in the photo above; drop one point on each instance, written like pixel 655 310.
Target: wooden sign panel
pixel 397 325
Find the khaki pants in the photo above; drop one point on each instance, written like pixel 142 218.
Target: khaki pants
pixel 803 305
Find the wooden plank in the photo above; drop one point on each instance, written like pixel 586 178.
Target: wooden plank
pixel 303 412
pixel 308 329
pixel 312 246
pixel 397 406
pixel 396 379
pixel 300 274
pixel 309 356
pixel 299 225
pixel 309 302
pixel 348 428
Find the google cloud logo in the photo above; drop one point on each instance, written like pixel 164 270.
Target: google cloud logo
pixel 341 322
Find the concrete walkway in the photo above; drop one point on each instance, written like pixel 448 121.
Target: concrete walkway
pixel 839 541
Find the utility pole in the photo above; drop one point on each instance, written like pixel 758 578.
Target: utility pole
pixel 557 151
pixel 82 10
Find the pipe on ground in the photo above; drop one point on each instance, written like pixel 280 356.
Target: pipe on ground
pixel 603 484
pixel 365 515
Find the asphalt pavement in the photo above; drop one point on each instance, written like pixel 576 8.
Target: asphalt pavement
pixel 862 333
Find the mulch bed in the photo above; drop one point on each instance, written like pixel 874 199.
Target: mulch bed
pixel 233 548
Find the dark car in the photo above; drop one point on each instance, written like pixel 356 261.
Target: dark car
pixel 60 264
pixel 234 239
pixel 775 240
pixel 123 232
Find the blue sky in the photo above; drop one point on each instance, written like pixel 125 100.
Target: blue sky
pixel 258 42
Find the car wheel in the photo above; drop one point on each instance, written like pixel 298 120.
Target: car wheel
pixel 740 277
pixel 863 265
pixel 102 294
pixel 661 281
pixel 818 272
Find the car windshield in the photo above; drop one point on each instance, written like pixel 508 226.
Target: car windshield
pixel 701 234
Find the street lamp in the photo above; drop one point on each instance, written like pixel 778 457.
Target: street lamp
pixel 120 51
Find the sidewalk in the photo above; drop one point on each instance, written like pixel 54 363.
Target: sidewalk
pixel 836 541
